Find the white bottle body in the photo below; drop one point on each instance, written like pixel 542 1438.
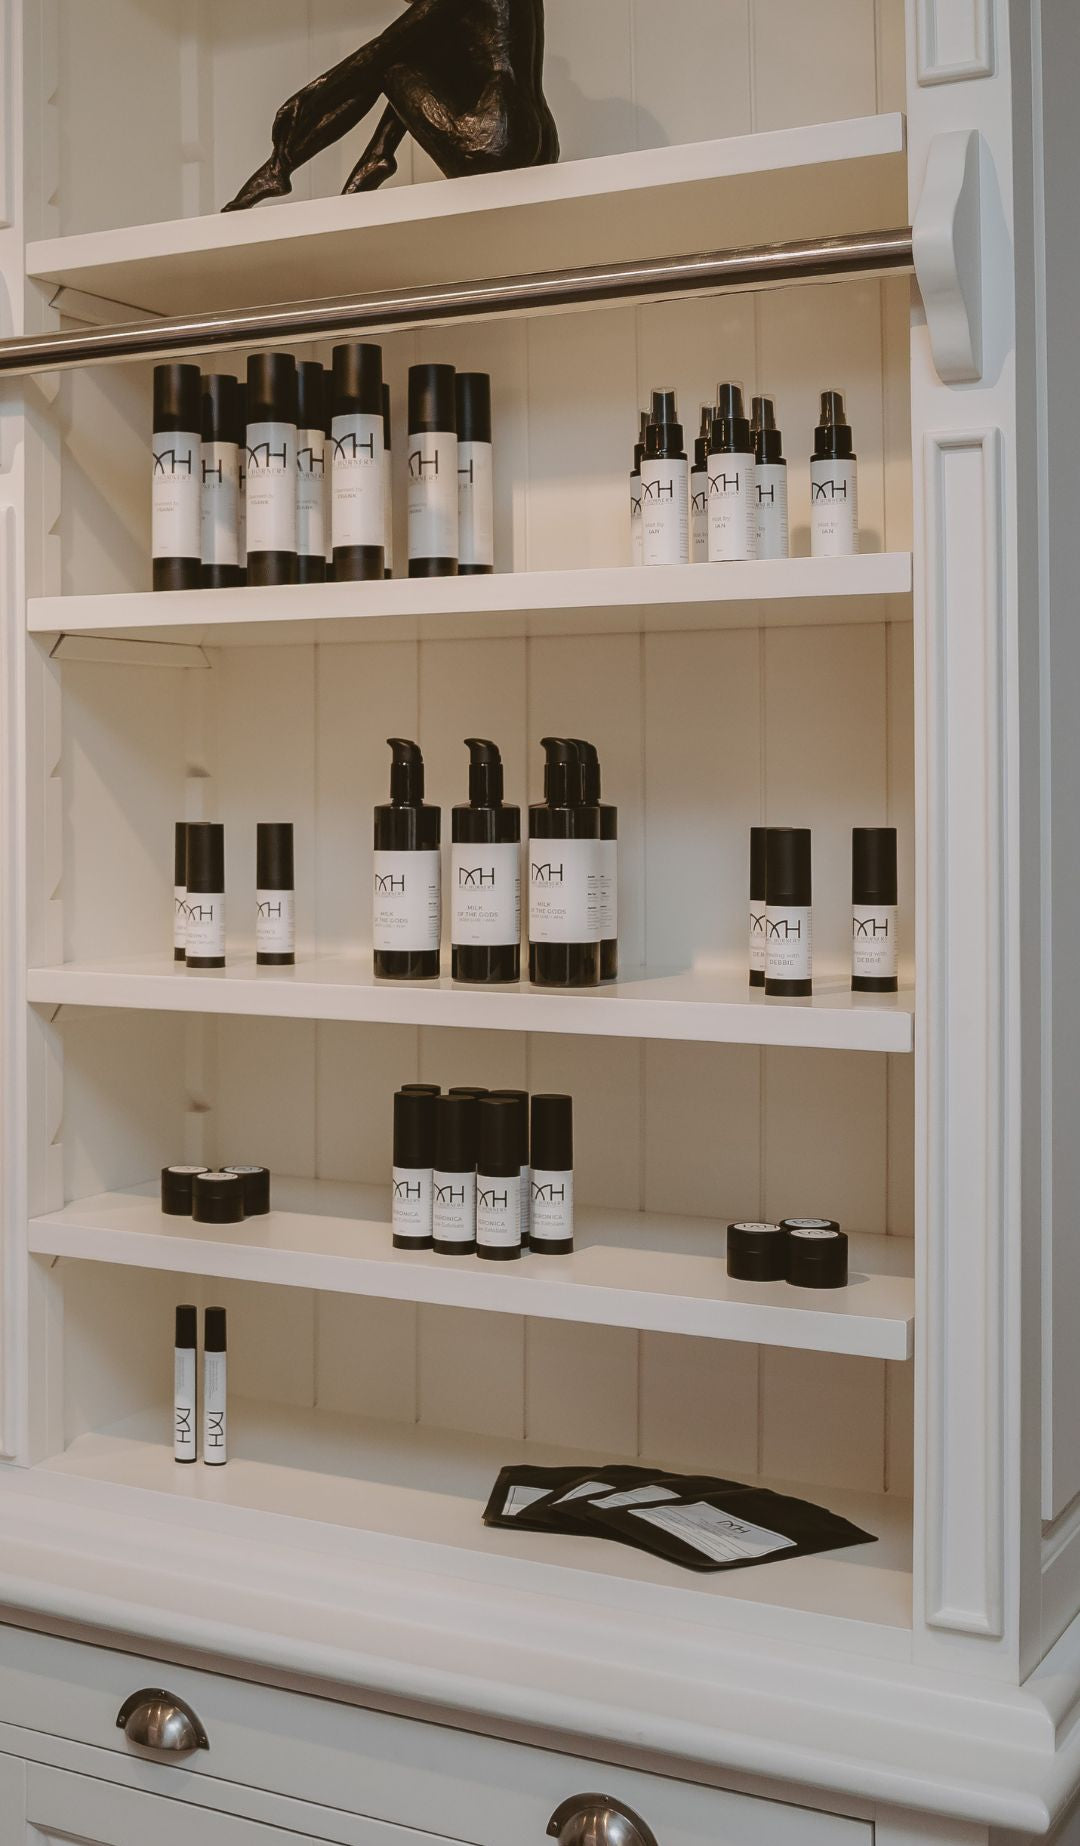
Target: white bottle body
pixel 407 909
pixel 179 928
pixel 873 942
pixel 476 506
pixel 732 507
pixel 498 1212
pixel 433 495
pixel 771 510
pixel 566 882
pixel 215 1409
pixel 176 494
pixel 789 944
pixel 758 935
pixel 699 515
pixel 311 493
pixel 275 922
pixel 220 502
pixel 665 511
pixel 551 1217
pixel 485 885
pixel 185 1404
pixel 204 930
pixel 271 487
pixel 834 508
pixel 453 1211
pixel 637 545
pixel 357 481
pixel 413 1194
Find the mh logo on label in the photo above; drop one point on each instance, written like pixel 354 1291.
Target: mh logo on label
pixel 547 874
pixel 869 926
pixel 262 455
pixel 212 471
pixel 170 461
pixel 407 1189
pixel 449 1195
pixel 766 495
pixel 783 931
pixel 423 467
pixel 492 1200
pixel 725 484
pixel 353 448
pixel 548 1194
pixel 466 474
pixel 200 913
pixel 183 1424
pixel 267 910
pixel 308 461
pixel 658 490
pixel 215 1429
pixel 757 922
pixel 470 878
pixel 386 885
pixel 699 502
pixel 829 490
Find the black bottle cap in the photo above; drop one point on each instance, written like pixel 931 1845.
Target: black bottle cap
pixel 187 1326
pixel 217 1198
pixel 472 396
pixel 787 866
pixel 832 437
pixel 664 432
pixel 873 865
pixel 432 399
pixel 639 446
pixel 176 1183
pixel 406 772
pixel 757 864
pixel 731 425
pixel 205 855
pixel 274 855
pixel 468 1089
pixel 180 853
pixel 564 774
pixel 414 1129
pixel 256 1186
pixel 552 1134
pixel 358 380
pixel 241 406
pixel 590 770
pixel 271 388
pixel 498 1135
pixel 768 440
pixel 386 416
pixel 485 773
pixel 214 1330
pixel 817 1252
pixel 520 1100
pixel 177 397
pixel 757 1252
pixel 455 1134
pixel 703 437
pixel 221 408
pixel 421 1089
pixel 310 395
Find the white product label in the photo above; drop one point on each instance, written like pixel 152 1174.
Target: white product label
pixel 241 506
pixel 271 487
pixel 565 890
pixel 476 504
pixel 873 942
pixel 275 922
pixel 699 515
pixel 732 508
pixel 311 493
pixel 388 512
pixel 412 1202
pixel 357 480
pixel 580 1492
pixel 215 1409
pixel 204 937
pixel 220 501
pixel 179 927
pixel 520 1497
pixel 788 948
pixel 637 1496
pixel 665 512
pixel 184 1407
pixel 714 1533
pixel 813 1232
pixel 770 493
pixel 758 936
pixel 176 495
pixel 433 495
pixel 453 1208
pixel 609 890
pixel 407 900
pixel 834 509
pixel 485 895
pixel 552 1206
pixel 498 1212
pixel 637 545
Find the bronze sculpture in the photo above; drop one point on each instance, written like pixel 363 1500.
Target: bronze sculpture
pixel 464 77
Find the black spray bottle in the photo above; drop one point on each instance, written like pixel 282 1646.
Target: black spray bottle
pixel 732 494
pixel 221 440
pixel 433 472
pixel 485 875
pixel 873 910
pixel 788 916
pixel 407 880
pixel 699 490
pixel 770 491
pixel 271 468
pixel 357 467
pixel 311 472
pixel 637 549
pixel 498 1180
pixel 176 479
pixel 565 875
pixel 834 483
pixel 609 859
pixel 476 478
pixel 665 486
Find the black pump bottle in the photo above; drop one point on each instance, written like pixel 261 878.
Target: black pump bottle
pixel 407 881
pixel 485 875
pixel 609 835
pixel 564 875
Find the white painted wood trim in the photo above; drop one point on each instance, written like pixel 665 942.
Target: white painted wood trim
pixel 947 246
pixel 967 22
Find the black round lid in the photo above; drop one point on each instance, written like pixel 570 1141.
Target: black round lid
pixel 271 388
pixel 217 1183
pixel 358 380
pixel 177 396
pixel 214 1330
pixel 498 1137
pixel 256 1186
pixel 817 1254
pixel 873 865
pixel 221 408
pixel 552 1133
pixel 187 1325
pixel 176 1184
pixel 756 1252
pixel 180 853
pixel 310 395
pixel 421 1089
pixel 468 1089
pixel 757 863
pixel 205 855
pixel 787 866
pixel 414 1128
pixel 274 855
pixel 520 1100
pixel 432 398
pixel 473 402
pixel 731 425
pixel 455 1134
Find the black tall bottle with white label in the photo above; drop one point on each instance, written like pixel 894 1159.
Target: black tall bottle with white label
pixel 476 479
pixel 406 873
pixel 433 472
pixel 275 896
pixel 357 464
pixel 609 858
pixel 453 1201
pixel 834 483
pixel 414 1163
pixel 485 875
pixel 665 486
pixel 271 468
pixel 241 480
pixel 566 871
pixel 204 929
pixel 770 481
pixel 498 1179
pixel 311 472
pixel 388 483
pixel 873 910
pixel 788 914
pixel 732 491
pixel 551 1176
pixel 176 478
pixel 222 436
pixel 180 891
pixel 758 922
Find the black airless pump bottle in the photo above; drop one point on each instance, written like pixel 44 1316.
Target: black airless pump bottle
pixel 407 881
pixel 311 472
pixel 609 857
pixel 357 464
pixel 565 875
pixel 271 468
pixel 176 480
pixel 485 875
pixel 221 440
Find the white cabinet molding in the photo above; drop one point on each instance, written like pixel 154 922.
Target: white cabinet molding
pixel 7 151
pixel 956 40
pixel 947 245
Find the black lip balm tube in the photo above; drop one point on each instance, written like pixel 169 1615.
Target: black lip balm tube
pixel 453 1210
pixel 180 892
pixel 357 465
pixel 485 875
pixel 433 472
pixel 176 479
pixel 221 440
pixel 414 1164
pixel 271 468
pixel 205 928
pixel 498 1180
pixel 406 874
pixel 551 1176
pixel 476 479
pixel 388 484
pixel 788 916
pixel 565 875
pixel 520 1100
pixel 609 852
pixel 873 910
pixel 275 895
pixel 311 471
pixel 758 936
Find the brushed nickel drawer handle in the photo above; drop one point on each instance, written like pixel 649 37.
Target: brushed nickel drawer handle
pixel 160 1721
pixel 597 1820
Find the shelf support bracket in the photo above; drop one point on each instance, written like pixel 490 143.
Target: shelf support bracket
pixel 947 246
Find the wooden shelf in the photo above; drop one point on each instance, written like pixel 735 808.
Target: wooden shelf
pixel 657 202
pixel 705 1007
pixel 650 1271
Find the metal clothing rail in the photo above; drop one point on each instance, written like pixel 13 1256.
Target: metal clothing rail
pixel 868 253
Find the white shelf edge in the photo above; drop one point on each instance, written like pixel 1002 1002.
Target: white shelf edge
pixel 615 1278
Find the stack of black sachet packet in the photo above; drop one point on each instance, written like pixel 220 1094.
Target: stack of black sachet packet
pixel 696 1520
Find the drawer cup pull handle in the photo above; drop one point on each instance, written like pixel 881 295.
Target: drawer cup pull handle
pixel 597 1820
pixel 160 1721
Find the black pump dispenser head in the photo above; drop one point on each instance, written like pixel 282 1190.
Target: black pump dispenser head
pixel 563 777
pixel 832 437
pixel 590 769
pixel 406 772
pixel 664 433
pixel 731 425
pixel 768 440
pixel 485 773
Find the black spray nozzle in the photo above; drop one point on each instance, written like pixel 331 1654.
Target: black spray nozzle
pixel 833 414
pixel 664 434
pixel 762 413
pixel 563 773
pixel 590 769
pixel 665 407
pixel 485 773
pixel 731 425
pixel 832 437
pixel 406 771
pixel 768 441
pixel 704 435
